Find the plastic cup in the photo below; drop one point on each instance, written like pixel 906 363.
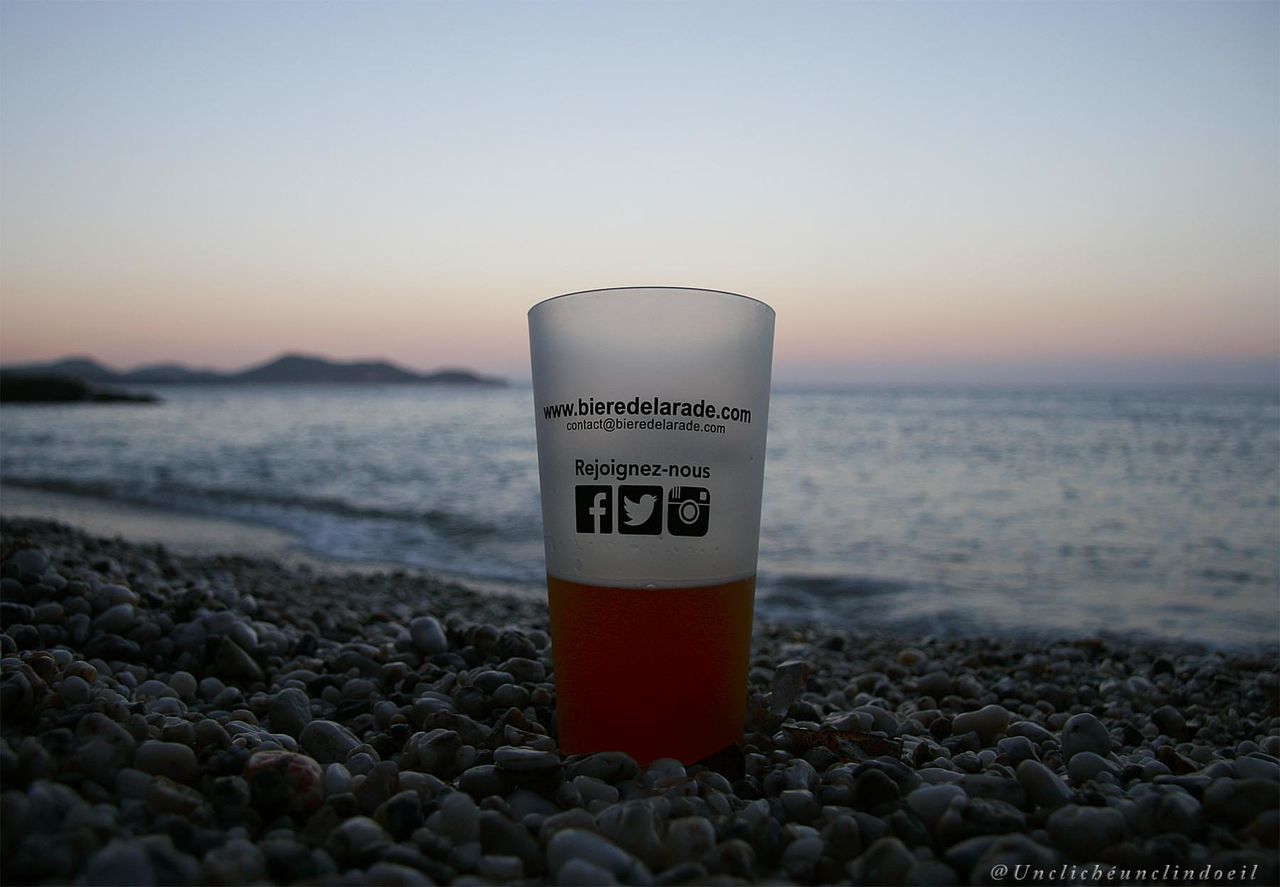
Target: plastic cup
pixel 651 406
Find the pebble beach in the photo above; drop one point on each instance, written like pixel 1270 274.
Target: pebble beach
pixel 214 719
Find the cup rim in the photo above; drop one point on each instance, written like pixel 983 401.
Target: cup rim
pixel 612 289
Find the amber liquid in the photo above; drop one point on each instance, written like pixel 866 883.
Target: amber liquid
pixel 657 673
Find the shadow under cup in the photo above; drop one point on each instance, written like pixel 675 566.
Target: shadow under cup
pixel 651 407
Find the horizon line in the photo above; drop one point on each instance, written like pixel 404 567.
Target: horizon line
pixel 907 371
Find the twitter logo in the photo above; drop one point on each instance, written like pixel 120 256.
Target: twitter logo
pixel 641 515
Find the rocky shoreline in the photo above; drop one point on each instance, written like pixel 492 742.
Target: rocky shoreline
pixel 223 720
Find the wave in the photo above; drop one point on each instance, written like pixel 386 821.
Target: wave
pixel 459 528
pixel 826 586
pixel 452 545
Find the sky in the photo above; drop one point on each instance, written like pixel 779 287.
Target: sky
pixel 925 192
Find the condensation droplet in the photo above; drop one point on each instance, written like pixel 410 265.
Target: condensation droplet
pixel 650 586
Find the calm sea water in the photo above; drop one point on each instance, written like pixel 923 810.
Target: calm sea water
pixel 1152 513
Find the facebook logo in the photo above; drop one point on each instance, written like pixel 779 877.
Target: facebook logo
pixel 594 508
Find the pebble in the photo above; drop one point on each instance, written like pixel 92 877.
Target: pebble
pixel 401 814
pixel 459 818
pixel 1042 785
pixel 1169 721
pixel 427 635
pixel 1084 832
pixel 988 722
pixel 210 734
pixel 184 684
pixel 379 783
pixel 238 861
pixel 75 690
pixel 881 719
pixel 115 620
pixel 210 688
pixel 523 670
pixel 873 788
pixel 339 745
pixel 982 785
pixel 524 765
pixel 234 663
pixel 1251 767
pixel 1016 749
pixel 1084 732
pixel 591 790
pixel 887 861
pixel 932 801
pixel 337 779
pixel 799 805
pixel 131 783
pixel 436 751
pixel 1086 765
pixel 1238 802
pixel 327 741
pixel 1012 851
pixel 484 780
pixel 500 836
pixel 356 841
pixel 581 873
pixel 29 561
pixel 163 793
pixel 688 839
pixel 284 782
pixel 801 857
pixel 171 759
pixel 632 826
pixel 1179 812
pixel 575 844
pixel 496 869
pixel 936 684
pixel 1031 730
pixel 390 873
pixel 611 767
pixel 121 861
pixel 289 712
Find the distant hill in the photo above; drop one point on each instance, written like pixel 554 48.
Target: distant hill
pixel 85 368
pixel 170 374
pixel 288 369
pixel 293 368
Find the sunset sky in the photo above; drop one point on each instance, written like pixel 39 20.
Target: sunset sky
pixel 923 191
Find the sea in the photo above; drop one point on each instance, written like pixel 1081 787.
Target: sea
pixel 1045 512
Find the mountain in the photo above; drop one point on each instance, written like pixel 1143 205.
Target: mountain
pixel 294 368
pixel 288 369
pixel 85 368
pixel 170 374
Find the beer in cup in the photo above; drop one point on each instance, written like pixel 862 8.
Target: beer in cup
pixel 651 407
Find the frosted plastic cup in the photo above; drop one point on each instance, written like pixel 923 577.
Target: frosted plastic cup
pixel 651 406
